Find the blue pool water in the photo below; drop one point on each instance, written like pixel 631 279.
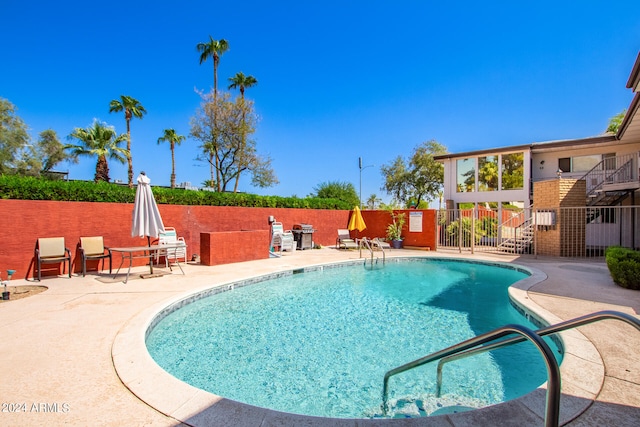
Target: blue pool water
pixel 320 342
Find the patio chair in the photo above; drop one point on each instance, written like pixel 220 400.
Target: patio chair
pixel 170 237
pixel 380 244
pixel 51 250
pixel 344 240
pixel 93 248
pixel 284 240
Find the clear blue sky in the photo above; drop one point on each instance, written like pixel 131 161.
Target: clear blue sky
pixel 336 79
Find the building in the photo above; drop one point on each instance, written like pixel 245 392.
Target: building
pixel 505 179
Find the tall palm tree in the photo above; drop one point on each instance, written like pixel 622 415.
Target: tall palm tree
pixel 242 82
pixel 99 140
pixel 132 108
pixel 213 49
pixel 173 139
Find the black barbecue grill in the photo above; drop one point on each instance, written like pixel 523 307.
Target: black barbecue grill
pixel 303 235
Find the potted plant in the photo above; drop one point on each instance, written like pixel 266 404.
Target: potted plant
pixel 394 230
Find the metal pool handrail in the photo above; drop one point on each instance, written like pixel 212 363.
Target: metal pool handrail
pixel 553 371
pixel 552 408
pixel 366 243
pixel 549 330
pixel 470 347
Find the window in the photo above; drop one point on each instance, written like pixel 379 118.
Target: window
pixel 564 164
pixel 586 163
pixel 466 175
pixel 488 173
pixel 609 161
pixel 512 171
pixel 601 215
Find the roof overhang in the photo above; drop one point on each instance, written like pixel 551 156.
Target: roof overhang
pixel 634 78
pixel 543 147
pixel 630 126
pixel 498 150
pixel 538 147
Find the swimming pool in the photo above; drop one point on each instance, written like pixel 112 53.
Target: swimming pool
pixel 349 325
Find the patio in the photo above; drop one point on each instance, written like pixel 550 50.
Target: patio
pixel 57 345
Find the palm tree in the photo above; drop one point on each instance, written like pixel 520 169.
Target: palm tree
pixel 173 139
pixel 372 201
pixel 241 81
pixel 132 108
pixel 99 140
pixel 213 49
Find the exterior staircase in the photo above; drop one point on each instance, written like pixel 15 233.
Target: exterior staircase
pixel 522 240
pixel 612 180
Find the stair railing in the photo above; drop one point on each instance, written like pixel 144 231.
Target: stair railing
pixel 606 172
pixel 525 224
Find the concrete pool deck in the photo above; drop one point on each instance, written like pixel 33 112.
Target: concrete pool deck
pixel 57 348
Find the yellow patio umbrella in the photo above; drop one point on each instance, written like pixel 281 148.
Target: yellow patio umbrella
pixel 356 222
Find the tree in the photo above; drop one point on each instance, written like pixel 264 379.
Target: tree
pixel 213 49
pixel 372 201
pixel 13 136
pixel 17 154
pixel 27 162
pixel 241 81
pixel 50 150
pixel 616 121
pixel 40 159
pixel 132 108
pixel 99 140
pixel 173 139
pixel 344 191
pixel 223 127
pixel 420 177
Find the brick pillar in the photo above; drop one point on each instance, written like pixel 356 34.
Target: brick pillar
pixel 567 236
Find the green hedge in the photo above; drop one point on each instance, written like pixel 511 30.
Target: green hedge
pixel 624 266
pixel 28 188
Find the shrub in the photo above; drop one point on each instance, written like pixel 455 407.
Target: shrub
pixel 487 226
pixel 624 266
pixel 454 232
pixel 29 188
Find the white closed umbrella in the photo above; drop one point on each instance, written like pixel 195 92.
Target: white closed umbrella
pixel 147 221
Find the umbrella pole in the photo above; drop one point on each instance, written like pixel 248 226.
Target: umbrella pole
pixel 150 255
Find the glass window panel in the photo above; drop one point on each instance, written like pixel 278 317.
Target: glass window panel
pixel 609 161
pixel 466 175
pixel 601 216
pixel 512 171
pixel 564 164
pixel 584 163
pixel 488 173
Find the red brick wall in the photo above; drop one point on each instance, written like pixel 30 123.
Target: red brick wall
pixel 22 222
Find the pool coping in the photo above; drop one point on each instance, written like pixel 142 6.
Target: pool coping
pixel 582 370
